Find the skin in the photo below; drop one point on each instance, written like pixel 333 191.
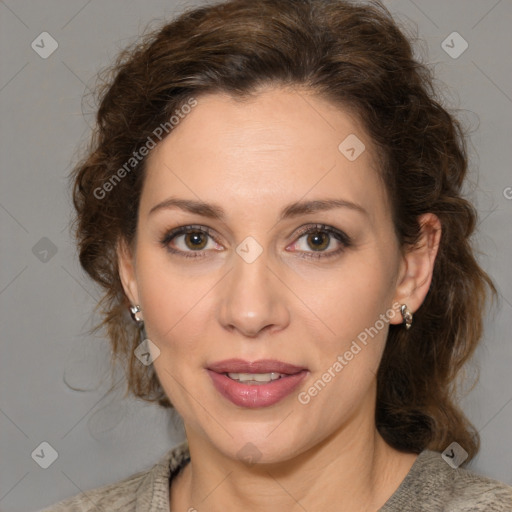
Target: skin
pixel 253 158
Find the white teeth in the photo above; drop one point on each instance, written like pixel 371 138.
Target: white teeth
pixel 256 377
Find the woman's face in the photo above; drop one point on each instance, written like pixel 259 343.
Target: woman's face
pixel 250 283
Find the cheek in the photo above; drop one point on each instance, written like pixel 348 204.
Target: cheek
pixel 355 318
pixel 174 303
pixel 350 299
pixel 173 306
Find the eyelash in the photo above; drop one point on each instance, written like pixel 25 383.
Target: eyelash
pixel 343 238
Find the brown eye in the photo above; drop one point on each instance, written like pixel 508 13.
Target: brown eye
pixel 188 241
pixel 195 240
pixel 318 241
pixel 313 241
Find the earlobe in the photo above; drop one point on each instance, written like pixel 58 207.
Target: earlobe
pixel 126 265
pixel 418 266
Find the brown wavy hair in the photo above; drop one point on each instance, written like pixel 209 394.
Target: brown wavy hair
pixel 357 57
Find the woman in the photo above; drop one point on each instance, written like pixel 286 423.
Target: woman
pixel 274 194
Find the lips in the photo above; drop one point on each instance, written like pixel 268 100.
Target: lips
pixel 251 394
pixel 261 366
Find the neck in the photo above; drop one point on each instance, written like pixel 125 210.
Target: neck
pixel 352 470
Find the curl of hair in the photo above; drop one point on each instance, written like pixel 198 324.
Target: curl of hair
pixel 356 57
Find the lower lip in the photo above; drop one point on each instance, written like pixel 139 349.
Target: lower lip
pixel 256 395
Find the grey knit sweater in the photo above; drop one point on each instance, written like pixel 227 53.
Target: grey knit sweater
pixel 430 485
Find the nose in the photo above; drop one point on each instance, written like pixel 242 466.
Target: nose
pixel 253 298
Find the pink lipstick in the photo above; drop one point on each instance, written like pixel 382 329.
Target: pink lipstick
pixel 255 384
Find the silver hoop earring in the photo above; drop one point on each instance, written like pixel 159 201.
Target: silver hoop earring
pixel 133 311
pixel 406 315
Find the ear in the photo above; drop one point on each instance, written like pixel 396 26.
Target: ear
pixel 126 265
pixel 417 267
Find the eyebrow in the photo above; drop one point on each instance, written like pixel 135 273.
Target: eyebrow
pixel 213 211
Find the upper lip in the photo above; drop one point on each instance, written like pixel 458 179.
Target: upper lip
pixel 261 366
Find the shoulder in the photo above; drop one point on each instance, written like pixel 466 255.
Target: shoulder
pixel 146 490
pixel 474 492
pixel 121 495
pixel 432 484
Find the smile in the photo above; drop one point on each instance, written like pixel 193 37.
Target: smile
pixel 255 384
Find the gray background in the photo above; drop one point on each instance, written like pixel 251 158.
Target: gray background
pixel 47 302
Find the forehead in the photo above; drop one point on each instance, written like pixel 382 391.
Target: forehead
pixel 274 148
